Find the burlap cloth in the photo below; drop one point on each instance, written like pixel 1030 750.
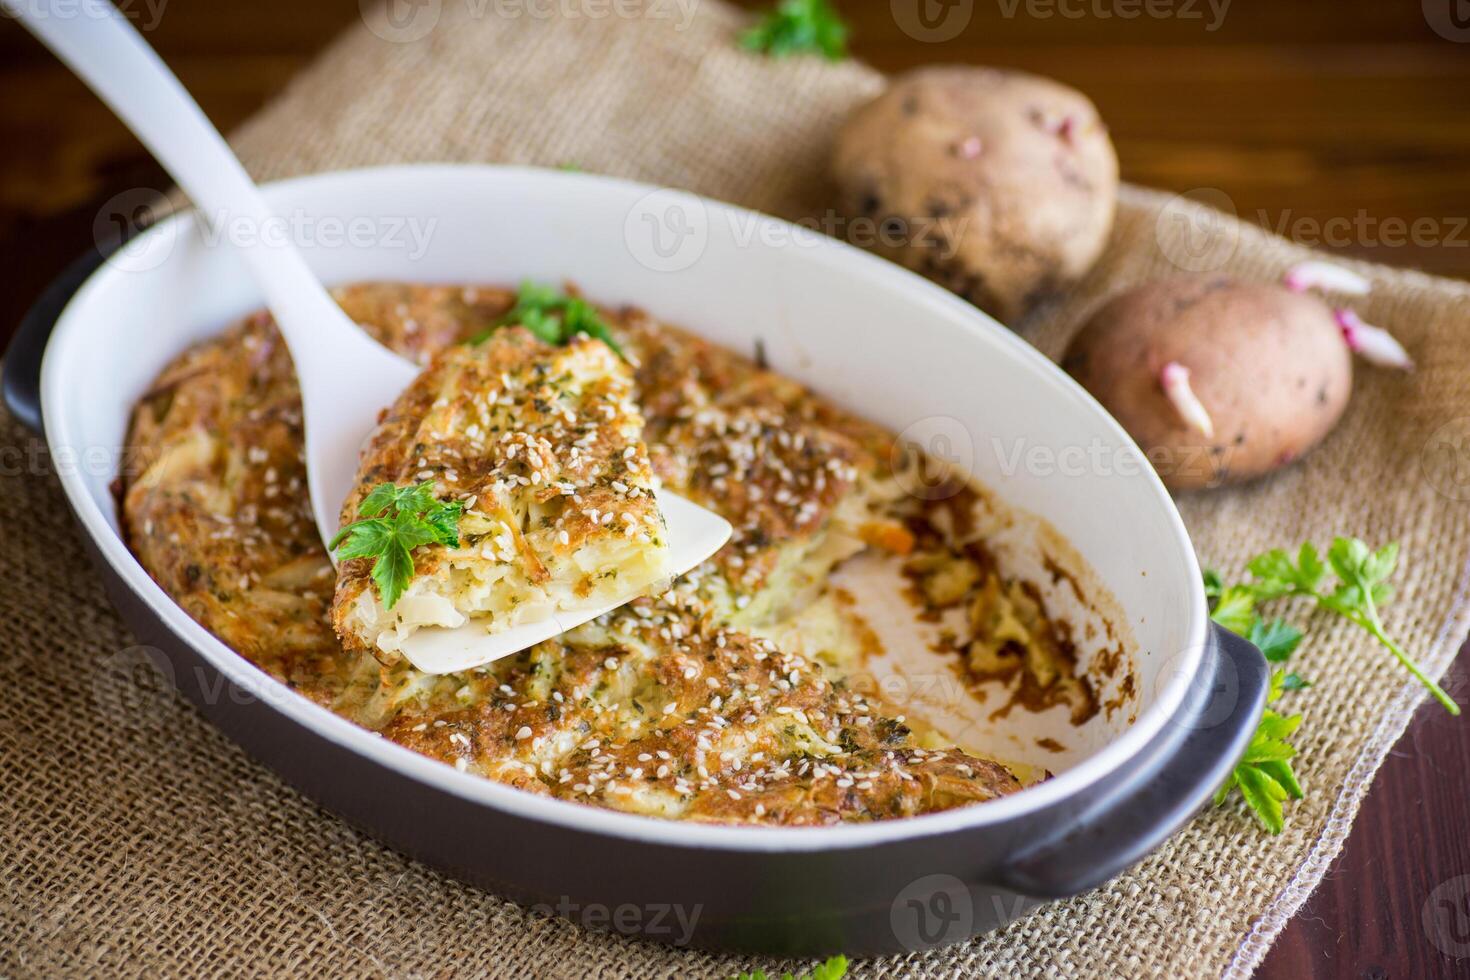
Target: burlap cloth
pixel 137 840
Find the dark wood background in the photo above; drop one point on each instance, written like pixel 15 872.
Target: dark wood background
pixel 1345 123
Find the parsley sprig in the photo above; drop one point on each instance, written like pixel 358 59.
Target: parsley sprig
pixel 833 969
pixel 1234 609
pixel 1264 775
pixel 799 27
pixel 553 317
pixel 1352 582
pixel 394 521
pixel 1360 587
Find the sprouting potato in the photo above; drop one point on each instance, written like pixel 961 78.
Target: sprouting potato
pixel 999 185
pixel 1218 380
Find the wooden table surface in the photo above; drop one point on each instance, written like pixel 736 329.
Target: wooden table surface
pixel 1344 123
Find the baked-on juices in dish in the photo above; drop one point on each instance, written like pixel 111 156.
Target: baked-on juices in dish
pixel 530 460
pixel 746 693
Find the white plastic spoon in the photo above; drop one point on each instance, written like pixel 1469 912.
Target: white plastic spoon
pixel 346 377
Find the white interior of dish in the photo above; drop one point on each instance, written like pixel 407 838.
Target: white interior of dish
pixel 861 331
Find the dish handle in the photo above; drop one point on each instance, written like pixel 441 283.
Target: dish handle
pixel 22 377
pixel 1200 747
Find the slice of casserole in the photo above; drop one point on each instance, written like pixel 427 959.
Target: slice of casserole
pixel 541 447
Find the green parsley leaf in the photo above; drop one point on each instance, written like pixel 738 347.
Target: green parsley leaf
pixel 363 539
pixel 392 571
pixel 444 522
pixel 1309 571
pixel 1270 739
pixel 1214 585
pixel 553 318
pixel 1281 773
pixel 799 27
pixel 1277 640
pixel 1236 610
pixel 1263 794
pixel 412 530
pixel 383 497
pixel 387 539
pixel 1347 556
pixel 1277 575
pixel 1264 775
pixel 1294 682
pixel 833 969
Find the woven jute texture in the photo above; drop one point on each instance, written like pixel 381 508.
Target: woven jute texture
pixel 135 840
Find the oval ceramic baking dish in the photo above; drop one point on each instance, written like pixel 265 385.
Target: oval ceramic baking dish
pixel 863 332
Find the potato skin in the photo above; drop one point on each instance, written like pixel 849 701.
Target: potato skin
pixel 1269 365
pixel 999 185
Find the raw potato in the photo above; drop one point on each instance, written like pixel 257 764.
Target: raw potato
pixel 998 185
pixel 1269 365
